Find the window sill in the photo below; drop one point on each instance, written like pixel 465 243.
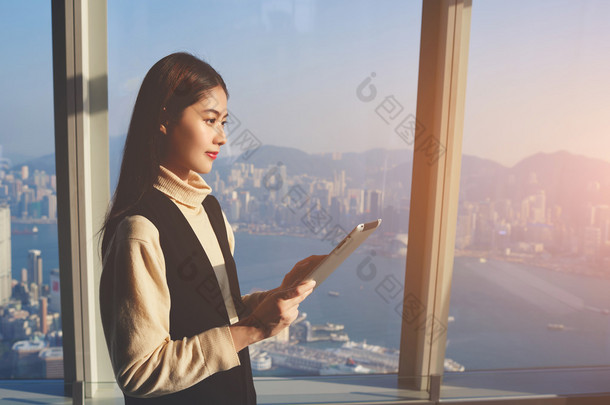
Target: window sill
pixel 359 389
pixel 33 392
pixel 534 383
pixel 540 386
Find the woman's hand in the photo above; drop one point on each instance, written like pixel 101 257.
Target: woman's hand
pixel 276 312
pixel 278 308
pixel 299 271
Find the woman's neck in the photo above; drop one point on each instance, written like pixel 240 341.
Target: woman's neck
pixel 179 171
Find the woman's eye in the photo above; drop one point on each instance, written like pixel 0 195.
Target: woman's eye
pixel 212 121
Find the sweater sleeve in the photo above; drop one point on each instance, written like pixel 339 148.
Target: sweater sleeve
pixel 135 308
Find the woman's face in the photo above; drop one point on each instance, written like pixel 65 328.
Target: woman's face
pixel 195 140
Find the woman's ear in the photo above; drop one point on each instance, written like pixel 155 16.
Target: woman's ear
pixel 163 127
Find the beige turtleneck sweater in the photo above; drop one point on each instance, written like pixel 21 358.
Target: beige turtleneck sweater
pixel 135 301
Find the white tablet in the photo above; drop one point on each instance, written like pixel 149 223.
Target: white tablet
pixel 342 251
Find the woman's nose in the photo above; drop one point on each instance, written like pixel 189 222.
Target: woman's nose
pixel 221 137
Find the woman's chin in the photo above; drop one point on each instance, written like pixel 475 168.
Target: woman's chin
pixel 203 169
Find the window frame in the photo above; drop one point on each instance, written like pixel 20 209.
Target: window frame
pixel 436 174
pixel 81 143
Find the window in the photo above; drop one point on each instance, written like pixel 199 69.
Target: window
pixel 320 138
pixel 31 332
pixel 532 252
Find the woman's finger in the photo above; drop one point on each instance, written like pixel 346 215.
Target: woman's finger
pixel 295 301
pixel 294 293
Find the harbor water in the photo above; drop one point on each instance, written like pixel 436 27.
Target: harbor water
pixel 504 315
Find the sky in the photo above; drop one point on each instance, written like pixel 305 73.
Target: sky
pixel 536 80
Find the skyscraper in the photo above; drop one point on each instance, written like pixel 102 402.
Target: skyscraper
pixel 35 267
pixel 49 206
pixel 339 183
pixel 539 207
pixel 55 303
pixel 5 255
pixel 25 172
pixel 43 315
pixel 375 203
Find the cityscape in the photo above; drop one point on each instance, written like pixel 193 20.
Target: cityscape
pixel 550 210
pixel 30 314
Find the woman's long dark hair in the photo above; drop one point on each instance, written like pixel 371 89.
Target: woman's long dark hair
pixel 174 83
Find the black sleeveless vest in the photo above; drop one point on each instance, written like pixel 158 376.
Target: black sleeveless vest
pixel 196 299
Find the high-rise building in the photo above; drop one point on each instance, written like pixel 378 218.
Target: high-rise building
pixel 49 206
pixel 538 207
pixel 335 209
pixel 244 200
pixel 55 304
pixel 27 197
pixel 284 186
pixel 323 191
pixel 33 292
pixel 35 266
pixel 5 255
pixel 43 315
pixel 339 183
pixel 234 207
pixel 465 226
pixel 525 211
pixel 375 203
pixel 356 200
pixel 484 225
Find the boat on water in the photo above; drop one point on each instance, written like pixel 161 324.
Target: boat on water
pixel 333 293
pixel 452 365
pixel 555 326
pixel 261 361
pixel 32 231
pixel 349 367
pixel 339 337
pixel 330 327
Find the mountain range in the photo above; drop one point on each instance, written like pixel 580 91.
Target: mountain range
pixel 570 181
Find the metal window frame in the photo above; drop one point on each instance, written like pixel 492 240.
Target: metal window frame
pixel 437 157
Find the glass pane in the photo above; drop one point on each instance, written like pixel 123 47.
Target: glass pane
pixel 531 281
pixel 31 337
pixel 322 100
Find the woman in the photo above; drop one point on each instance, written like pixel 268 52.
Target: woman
pixel 175 323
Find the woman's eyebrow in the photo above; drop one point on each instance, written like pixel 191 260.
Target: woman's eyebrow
pixel 215 112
